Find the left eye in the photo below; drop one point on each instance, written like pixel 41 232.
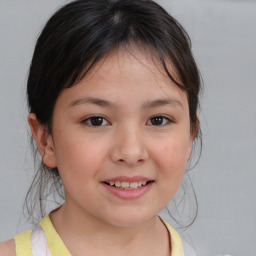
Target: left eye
pixel 158 121
pixel 96 121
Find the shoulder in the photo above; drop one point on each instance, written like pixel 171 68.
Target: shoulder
pixel 7 248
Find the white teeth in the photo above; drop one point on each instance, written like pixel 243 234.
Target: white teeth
pixel 127 185
pixel 118 184
pixel 134 185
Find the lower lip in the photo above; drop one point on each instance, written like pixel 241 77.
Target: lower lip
pixel 128 193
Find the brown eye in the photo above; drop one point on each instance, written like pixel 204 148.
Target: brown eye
pixel 159 121
pixel 96 121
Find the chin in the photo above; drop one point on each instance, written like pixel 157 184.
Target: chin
pixel 129 219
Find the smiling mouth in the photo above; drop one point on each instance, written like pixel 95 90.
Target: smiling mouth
pixel 128 185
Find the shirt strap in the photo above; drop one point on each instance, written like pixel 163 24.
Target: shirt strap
pixel 177 248
pixel 23 244
pixel 39 242
pixel 55 243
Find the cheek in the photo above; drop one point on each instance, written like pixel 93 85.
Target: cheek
pixel 172 157
pixel 78 158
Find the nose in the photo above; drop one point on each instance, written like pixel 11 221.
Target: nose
pixel 129 148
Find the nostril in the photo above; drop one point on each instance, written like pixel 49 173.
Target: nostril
pixel 126 161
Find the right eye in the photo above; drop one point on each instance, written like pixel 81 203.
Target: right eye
pixel 159 120
pixel 95 121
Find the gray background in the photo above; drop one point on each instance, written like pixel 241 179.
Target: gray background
pixel 223 35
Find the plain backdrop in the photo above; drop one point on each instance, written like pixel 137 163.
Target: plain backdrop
pixel 223 35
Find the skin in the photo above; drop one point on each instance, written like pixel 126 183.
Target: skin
pixel 128 143
pixel 7 248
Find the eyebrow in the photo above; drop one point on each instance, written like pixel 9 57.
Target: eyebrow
pixel 96 101
pixel 162 102
pixel 147 104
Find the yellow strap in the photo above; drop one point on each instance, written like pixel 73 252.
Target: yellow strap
pixel 56 245
pixel 177 248
pixel 23 244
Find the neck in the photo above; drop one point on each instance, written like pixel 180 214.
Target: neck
pixel 84 233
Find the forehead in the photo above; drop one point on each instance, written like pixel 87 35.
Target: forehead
pixel 126 73
pixel 135 57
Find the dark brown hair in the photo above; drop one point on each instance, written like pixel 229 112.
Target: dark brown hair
pixel 80 34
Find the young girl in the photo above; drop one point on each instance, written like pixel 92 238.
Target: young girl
pixel 113 96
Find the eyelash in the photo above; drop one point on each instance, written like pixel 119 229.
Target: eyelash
pixel 167 120
pixel 89 120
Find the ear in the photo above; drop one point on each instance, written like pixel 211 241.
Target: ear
pixel 193 135
pixel 43 140
pixel 190 146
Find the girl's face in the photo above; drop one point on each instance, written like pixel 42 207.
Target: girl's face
pixel 121 140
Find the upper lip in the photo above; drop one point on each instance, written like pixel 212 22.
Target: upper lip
pixel 128 179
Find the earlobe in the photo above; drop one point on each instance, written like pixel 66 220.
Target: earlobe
pixel 196 128
pixel 43 140
pixel 194 134
pixel 190 146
